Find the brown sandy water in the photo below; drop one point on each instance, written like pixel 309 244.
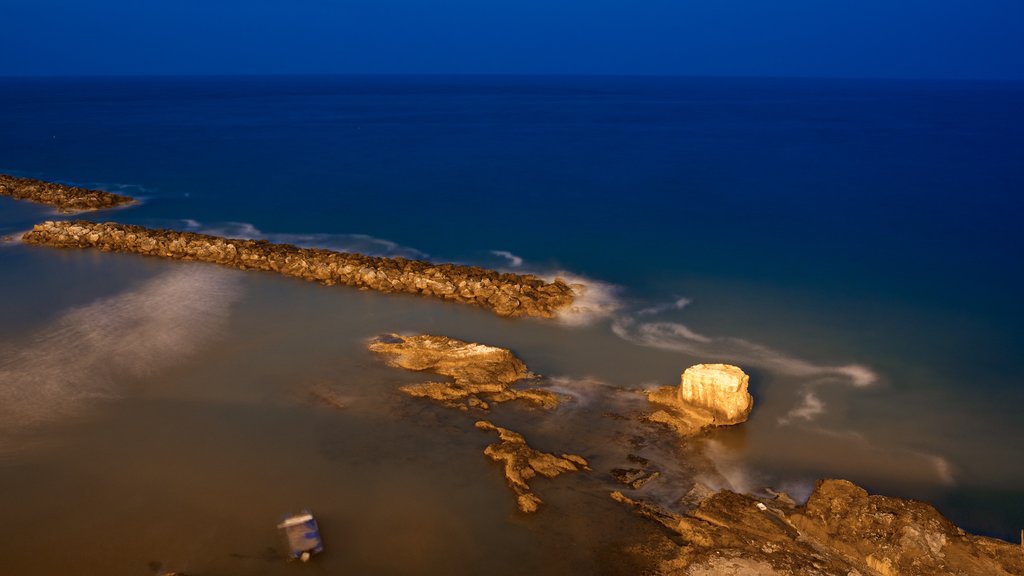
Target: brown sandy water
pixel 164 421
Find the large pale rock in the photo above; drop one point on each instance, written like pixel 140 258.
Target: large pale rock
pixel 709 395
pixel 719 388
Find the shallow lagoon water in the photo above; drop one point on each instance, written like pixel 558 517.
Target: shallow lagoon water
pixel 183 448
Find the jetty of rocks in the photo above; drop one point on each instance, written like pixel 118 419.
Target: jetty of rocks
pixel 504 293
pixel 65 198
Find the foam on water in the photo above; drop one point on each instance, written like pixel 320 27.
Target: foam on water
pixel 679 337
pixel 89 352
pixel 358 243
pixel 513 260
pixel 810 408
pixel 594 300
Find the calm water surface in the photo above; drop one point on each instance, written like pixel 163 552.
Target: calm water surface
pixel 853 245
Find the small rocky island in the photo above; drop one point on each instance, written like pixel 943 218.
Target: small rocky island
pixel 523 463
pixel 504 293
pixel 707 395
pixel 67 199
pixel 480 375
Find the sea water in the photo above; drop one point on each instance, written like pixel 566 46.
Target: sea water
pixel 853 245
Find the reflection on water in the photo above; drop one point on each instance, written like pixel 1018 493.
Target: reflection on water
pixel 165 421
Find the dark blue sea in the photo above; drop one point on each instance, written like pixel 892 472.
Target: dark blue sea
pixel 855 245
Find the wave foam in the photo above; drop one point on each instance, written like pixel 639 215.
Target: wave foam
pixel 810 408
pixel 81 355
pixel 678 337
pixel 359 243
pixel 513 260
pixel 593 300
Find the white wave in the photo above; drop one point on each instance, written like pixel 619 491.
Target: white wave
pixel 83 354
pixel 810 408
pixel 731 473
pixel 513 260
pixel 357 243
pixel 680 338
pixel 593 300
pixel 241 230
pixel 943 468
pixel 677 304
pixel 583 390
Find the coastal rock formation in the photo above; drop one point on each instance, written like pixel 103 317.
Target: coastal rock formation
pixel 523 463
pixel 481 375
pixel 842 530
pixel 504 293
pixel 708 395
pixel 66 198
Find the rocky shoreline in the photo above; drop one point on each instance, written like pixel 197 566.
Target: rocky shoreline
pixel 67 199
pixel 506 294
pixel 841 530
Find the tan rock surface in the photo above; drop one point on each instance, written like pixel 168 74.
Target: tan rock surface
pixel 505 294
pixel 708 395
pixel 65 198
pixel 480 375
pixel 841 531
pixel 522 463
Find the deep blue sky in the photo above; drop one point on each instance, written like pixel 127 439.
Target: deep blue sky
pixel 859 38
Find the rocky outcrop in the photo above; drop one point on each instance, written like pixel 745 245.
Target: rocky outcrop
pixel 522 463
pixel 480 375
pixel 841 531
pixel 66 198
pixel 708 395
pixel 506 294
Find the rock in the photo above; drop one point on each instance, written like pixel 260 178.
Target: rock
pixel 65 198
pixel 841 531
pixel 897 536
pixel 504 293
pixel 708 395
pixel 635 478
pixel 481 375
pixel 522 463
pixel 720 388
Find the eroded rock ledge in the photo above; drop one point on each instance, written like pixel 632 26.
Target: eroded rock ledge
pixel 523 463
pixel 506 294
pixel 841 530
pixel 480 375
pixel 66 198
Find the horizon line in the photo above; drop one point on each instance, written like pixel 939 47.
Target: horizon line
pixel 170 75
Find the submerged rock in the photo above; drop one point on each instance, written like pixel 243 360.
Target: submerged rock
pixel 480 375
pixel 504 293
pixel 634 477
pixel 708 395
pixel 523 463
pixel 65 198
pixel 841 531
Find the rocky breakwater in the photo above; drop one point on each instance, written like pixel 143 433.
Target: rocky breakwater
pixel 842 530
pixel 506 294
pixel 708 395
pixel 67 199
